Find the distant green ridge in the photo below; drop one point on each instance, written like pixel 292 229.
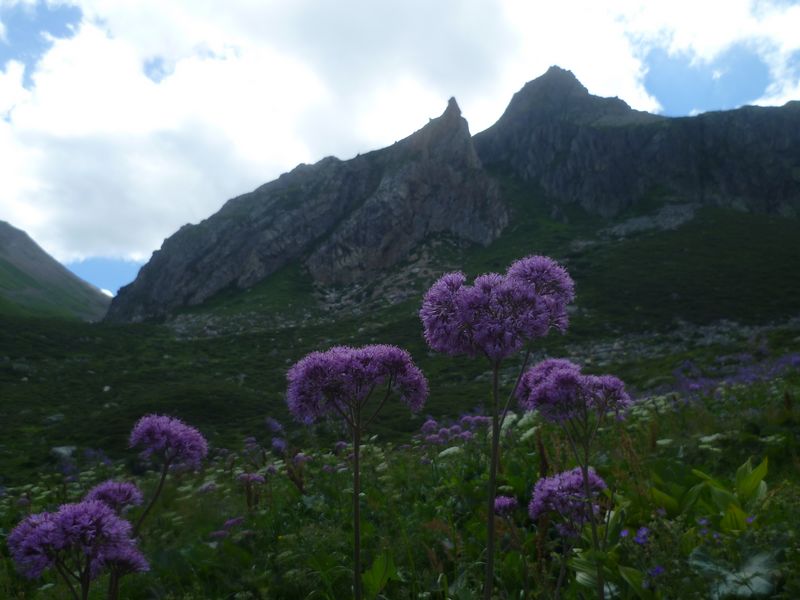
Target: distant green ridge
pixel 34 284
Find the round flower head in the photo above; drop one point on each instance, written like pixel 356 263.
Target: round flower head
pixel 171 439
pixel 504 505
pixel 498 314
pixel 557 389
pixel 343 377
pixel 123 558
pixel 77 535
pixel 33 544
pixel 563 494
pixel 116 494
pixel 251 479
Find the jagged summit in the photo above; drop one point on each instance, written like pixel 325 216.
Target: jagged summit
pixel 345 220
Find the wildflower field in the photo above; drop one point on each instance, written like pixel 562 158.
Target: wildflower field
pixel 556 481
pixel 586 428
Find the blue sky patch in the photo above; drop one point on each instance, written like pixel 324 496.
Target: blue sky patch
pixel 24 29
pixel 106 273
pixel 736 77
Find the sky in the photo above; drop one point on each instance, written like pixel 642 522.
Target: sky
pixel 121 120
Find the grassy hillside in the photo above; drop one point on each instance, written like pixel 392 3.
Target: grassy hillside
pixel 79 384
pixel 33 284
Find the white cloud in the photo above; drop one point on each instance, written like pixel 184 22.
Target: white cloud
pixel 104 161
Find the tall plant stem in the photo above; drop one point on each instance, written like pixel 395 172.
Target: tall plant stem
pixel 489 579
pixel 356 506
pixel 152 502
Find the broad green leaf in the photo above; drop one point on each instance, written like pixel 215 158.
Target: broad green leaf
pixel 722 498
pixel 635 579
pixel 379 574
pixel 689 499
pixel 734 519
pixel 747 487
pixel 664 500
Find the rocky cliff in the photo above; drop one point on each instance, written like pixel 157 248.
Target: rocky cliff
pixel 344 219
pixel 348 220
pixel 603 155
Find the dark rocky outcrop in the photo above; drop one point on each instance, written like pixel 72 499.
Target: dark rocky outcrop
pixel 345 219
pixel 348 220
pixel 33 283
pixel 603 155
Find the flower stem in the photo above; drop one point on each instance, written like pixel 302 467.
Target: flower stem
pixel 138 526
pixel 489 579
pixel 356 509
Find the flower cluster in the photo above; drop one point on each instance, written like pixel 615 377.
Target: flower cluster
pixel 82 538
pixel 560 392
pixel 498 314
pixel 118 495
pixel 343 378
pixel 171 439
pixel 435 433
pixel 564 495
pixel 504 505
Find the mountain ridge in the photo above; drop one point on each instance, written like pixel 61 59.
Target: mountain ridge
pixel 350 220
pixel 34 283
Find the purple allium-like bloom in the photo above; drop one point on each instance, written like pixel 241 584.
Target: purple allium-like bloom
pixel 207 488
pixel 504 505
pixel 496 315
pixel 466 436
pixel 340 447
pixel 78 535
pixel 274 426
pixel 218 535
pixel 122 558
pixel 557 389
pixel 300 459
pixel 433 439
pixel 430 426
pixel 116 494
pixel 234 522
pixel 251 479
pixel 564 495
pixel 171 439
pixel 343 377
pixel 279 445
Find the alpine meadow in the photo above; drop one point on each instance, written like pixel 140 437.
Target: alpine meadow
pixel 556 359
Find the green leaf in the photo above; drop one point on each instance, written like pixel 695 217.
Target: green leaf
pixel 734 519
pixel 664 500
pixel 379 574
pixel 723 498
pixel 748 485
pixel 689 499
pixel 635 579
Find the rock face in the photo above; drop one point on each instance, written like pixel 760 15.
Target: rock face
pixel 603 155
pixel 33 283
pixel 348 220
pixel 345 219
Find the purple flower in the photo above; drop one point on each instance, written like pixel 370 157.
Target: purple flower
pixel 300 459
pixel 116 494
pixel 466 436
pixel 279 445
pixel 496 315
pixel 624 533
pixel 251 478
pixel 656 571
pixel 340 447
pixel 557 389
pixel 171 439
pixel 342 378
pixel 563 494
pixel 641 536
pixel 234 522
pixel 433 440
pixel 429 426
pixel 83 537
pixel 274 426
pixel 218 535
pixel 122 558
pixel 504 505
pixel 207 487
